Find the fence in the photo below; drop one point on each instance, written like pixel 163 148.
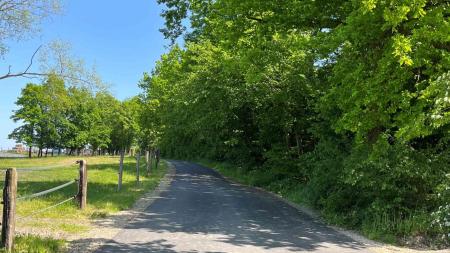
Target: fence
pixel 10 198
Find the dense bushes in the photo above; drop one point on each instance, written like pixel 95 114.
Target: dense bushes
pixel 344 102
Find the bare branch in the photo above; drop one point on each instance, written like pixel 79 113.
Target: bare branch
pixel 23 73
pixel 31 60
pixel 27 74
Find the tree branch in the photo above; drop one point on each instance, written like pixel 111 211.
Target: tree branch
pixel 255 18
pixel 25 72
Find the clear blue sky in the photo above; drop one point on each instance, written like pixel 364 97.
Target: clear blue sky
pixel 121 38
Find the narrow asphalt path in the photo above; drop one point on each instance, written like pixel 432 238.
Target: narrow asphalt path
pixel 202 212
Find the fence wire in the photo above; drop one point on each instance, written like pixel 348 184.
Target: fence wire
pixel 45 209
pixel 40 168
pixel 42 193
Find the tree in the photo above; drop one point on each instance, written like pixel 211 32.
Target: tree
pixel 29 113
pixel 42 110
pixel 57 59
pixel 102 115
pixel 347 98
pixel 124 131
pixel 21 18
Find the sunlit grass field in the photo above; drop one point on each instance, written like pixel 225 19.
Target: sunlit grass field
pixel 103 197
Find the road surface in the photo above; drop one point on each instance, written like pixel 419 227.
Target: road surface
pixel 203 213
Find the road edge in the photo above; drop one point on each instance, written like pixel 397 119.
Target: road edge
pixel 106 229
pixel 371 245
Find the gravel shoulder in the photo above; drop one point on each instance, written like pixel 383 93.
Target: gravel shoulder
pixel 105 229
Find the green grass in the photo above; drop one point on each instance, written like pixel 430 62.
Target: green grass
pixel 53 161
pixel 103 197
pixel 35 244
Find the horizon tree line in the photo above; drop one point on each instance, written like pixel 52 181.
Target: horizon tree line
pixel 55 116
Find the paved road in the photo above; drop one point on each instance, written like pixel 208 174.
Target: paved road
pixel 201 212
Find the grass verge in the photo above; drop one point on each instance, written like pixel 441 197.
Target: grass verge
pixel 67 219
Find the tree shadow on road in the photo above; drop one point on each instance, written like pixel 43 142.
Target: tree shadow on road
pixel 200 205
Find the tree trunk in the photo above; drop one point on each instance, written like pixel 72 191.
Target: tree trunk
pixel 138 159
pixel 151 162
pixel 299 144
pixel 29 152
pixel 119 185
pixel 287 141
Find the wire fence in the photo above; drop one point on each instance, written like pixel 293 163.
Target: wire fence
pixel 45 209
pixel 10 199
pixel 45 192
pixel 40 168
pixel 42 193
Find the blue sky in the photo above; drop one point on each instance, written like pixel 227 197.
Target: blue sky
pixel 121 38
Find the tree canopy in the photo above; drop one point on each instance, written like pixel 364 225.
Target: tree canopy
pixel 348 99
pixel 56 116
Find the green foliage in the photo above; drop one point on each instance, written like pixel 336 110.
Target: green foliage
pixel 57 117
pixel 344 102
pixel 124 125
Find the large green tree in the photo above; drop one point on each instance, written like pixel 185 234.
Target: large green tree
pixel 349 99
pixel 29 114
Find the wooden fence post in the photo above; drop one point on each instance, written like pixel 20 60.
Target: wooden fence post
pixel 138 159
pixel 119 184
pixel 82 185
pixel 9 208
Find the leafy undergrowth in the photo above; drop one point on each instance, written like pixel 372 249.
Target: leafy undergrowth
pixel 103 197
pixel 413 230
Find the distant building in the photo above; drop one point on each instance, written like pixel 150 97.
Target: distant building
pixel 19 148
